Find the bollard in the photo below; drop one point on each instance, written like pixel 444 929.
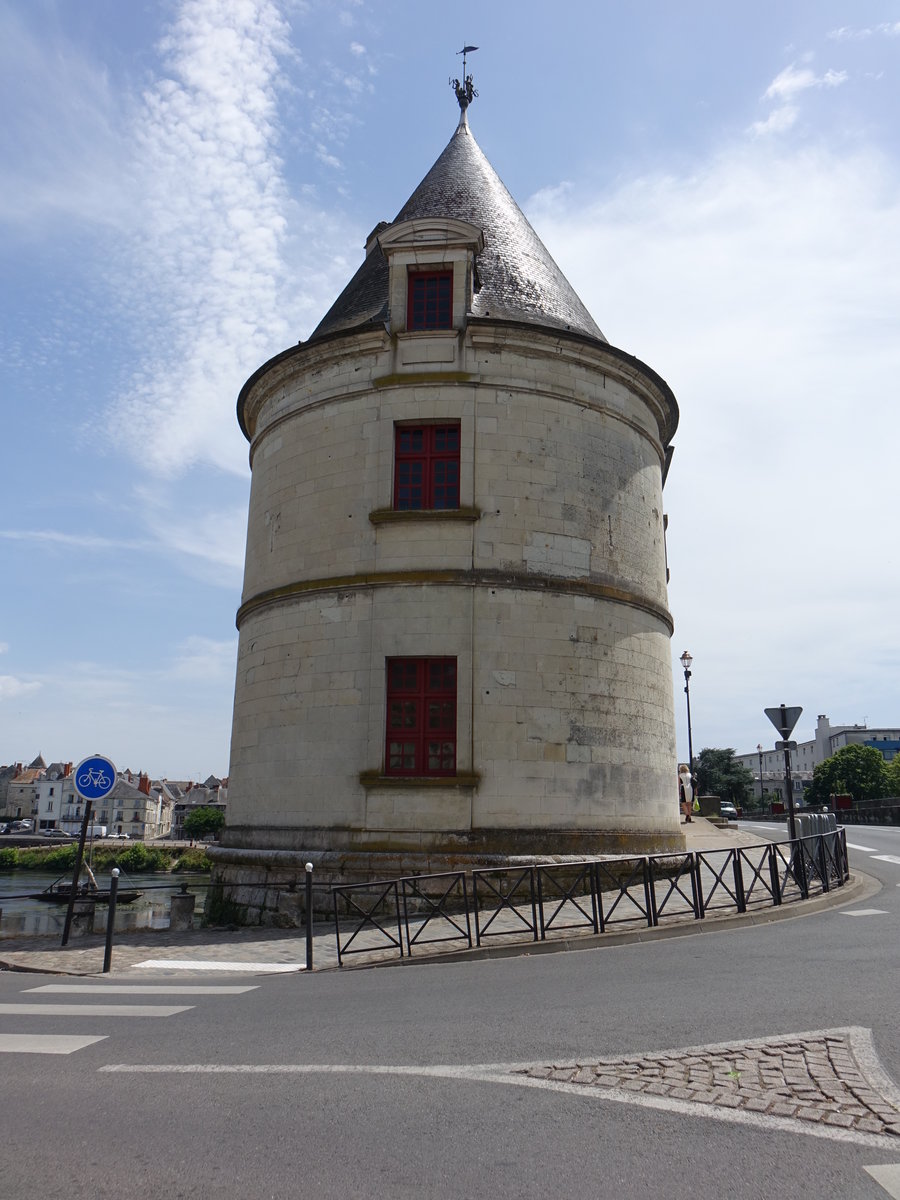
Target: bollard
pixel 181 913
pixel 309 918
pixel 111 918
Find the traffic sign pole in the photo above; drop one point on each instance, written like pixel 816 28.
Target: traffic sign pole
pixel 79 859
pixel 784 719
pixel 95 777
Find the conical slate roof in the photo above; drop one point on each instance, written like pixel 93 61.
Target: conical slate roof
pixel 519 281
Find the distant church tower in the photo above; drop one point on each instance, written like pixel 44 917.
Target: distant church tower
pixel 454 633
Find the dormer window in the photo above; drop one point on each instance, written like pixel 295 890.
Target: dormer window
pixel 430 300
pixel 431 269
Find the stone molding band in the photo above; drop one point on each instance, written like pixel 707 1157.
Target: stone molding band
pixel 455 578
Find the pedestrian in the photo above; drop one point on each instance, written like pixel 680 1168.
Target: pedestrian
pixel 685 792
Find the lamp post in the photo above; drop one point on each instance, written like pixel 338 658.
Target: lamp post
pixel 759 752
pixel 686 661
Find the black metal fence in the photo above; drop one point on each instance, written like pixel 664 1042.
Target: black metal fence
pixel 540 901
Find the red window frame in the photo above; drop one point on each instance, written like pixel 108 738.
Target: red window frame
pixel 426 466
pixel 429 300
pixel 421 716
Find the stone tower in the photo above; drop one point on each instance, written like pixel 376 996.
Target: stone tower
pixel 454 634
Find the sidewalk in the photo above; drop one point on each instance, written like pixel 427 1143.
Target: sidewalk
pixel 155 954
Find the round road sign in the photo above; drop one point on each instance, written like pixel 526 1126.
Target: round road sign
pixel 95 777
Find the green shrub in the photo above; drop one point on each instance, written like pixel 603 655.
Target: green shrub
pixel 47 858
pixel 9 858
pixel 139 858
pixel 192 860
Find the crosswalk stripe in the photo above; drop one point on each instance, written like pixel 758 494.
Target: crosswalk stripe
pixel 865 849
pixel 92 1010
pixel 46 1043
pixel 891 858
pixel 888 1175
pixel 147 989
pixel 200 964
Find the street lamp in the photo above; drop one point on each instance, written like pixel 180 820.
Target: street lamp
pixel 686 661
pixel 759 752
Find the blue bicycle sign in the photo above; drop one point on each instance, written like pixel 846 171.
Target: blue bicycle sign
pixel 95 777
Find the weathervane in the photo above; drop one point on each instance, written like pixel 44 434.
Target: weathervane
pixel 465 90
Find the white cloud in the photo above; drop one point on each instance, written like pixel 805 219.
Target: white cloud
pixel 795 79
pixel 4 647
pixel 11 688
pixel 77 541
pixel 219 242
pixel 329 160
pixel 779 120
pixel 357 48
pixel 208 258
pixel 202 658
pixel 846 33
pixel 785 88
pixel 764 288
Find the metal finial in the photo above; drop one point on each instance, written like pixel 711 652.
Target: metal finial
pixel 465 89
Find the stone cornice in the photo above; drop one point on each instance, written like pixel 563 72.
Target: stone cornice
pixel 377 779
pixel 398 516
pixel 526 338
pixel 518 581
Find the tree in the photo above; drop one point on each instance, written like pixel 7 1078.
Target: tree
pixel 201 822
pixel 720 774
pixel 893 776
pixel 858 771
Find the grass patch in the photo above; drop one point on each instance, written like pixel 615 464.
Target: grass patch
pixel 135 859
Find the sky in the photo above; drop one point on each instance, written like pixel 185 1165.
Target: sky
pixel 186 186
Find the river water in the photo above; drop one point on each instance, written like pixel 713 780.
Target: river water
pixel 29 918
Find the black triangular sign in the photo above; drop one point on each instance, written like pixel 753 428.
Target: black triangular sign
pixel 784 719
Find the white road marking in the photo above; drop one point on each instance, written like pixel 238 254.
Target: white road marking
pixel 865 849
pixel 888 1176
pixel 861 1041
pixel 891 858
pixel 47 1043
pixel 864 912
pixel 499 1074
pixel 147 989
pixel 199 964
pixel 92 1010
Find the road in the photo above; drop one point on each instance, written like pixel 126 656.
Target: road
pixel 371 1083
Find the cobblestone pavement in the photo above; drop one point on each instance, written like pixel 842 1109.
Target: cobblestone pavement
pixel 830 1078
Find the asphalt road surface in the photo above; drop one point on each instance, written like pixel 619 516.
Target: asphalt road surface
pixel 438 1080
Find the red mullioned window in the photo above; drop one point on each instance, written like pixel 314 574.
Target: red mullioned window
pixel 421 716
pixel 429 303
pixel 426 466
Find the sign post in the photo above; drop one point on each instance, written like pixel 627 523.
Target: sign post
pixel 95 778
pixel 784 719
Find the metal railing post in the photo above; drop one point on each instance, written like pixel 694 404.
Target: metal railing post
pixel 774 874
pixel 309 917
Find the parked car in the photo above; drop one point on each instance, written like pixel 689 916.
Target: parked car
pixel 727 810
pixel 4 827
pixel 22 826
pixel 58 833
pixel 118 837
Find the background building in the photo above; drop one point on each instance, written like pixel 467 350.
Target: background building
pixel 827 741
